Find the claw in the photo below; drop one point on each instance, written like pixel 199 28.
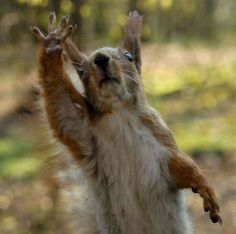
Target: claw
pixel 36 31
pixel 216 219
pixel 209 202
pixel 207 205
pixel 68 32
pixel 52 21
pixel 134 23
pixel 63 23
pixel 53 41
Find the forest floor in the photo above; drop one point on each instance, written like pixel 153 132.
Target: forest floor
pixel 29 206
pixel 193 88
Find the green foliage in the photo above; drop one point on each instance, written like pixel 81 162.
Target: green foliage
pixel 198 103
pixel 17 159
pixel 102 20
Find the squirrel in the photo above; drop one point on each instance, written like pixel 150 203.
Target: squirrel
pixel 96 109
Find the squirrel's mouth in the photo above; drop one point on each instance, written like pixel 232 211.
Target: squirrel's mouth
pixel 109 80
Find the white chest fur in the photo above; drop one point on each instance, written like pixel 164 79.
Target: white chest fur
pixel 133 167
pixel 128 149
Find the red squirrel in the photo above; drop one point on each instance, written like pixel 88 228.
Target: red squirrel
pixel 96 109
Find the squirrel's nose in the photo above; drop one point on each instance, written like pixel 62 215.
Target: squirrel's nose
pixel 101 60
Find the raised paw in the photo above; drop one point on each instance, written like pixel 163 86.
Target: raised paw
pixel 134 24
pixel 209 202
pixel 52 42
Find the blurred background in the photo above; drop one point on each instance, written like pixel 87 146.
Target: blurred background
pixel 189 71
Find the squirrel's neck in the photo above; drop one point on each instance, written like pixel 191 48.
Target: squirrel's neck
pixel 98 107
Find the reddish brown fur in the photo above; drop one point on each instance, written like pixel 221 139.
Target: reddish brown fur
pixel 52 74
pixel 54 66
pixel 184 171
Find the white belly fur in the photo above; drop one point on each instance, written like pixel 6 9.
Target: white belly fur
pixel 133 165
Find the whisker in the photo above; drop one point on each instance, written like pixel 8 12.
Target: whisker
pixel 76 63
pixel 131 78
pixel 79 65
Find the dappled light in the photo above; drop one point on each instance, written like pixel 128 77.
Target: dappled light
pixel 189 76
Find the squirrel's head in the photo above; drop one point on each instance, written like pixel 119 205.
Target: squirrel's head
pixel 111 76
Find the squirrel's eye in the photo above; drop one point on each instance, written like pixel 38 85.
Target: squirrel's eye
pixel 80 70
pixel 129 57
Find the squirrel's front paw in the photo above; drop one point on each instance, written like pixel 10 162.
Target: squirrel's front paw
pixel 53 41
pixel 209 201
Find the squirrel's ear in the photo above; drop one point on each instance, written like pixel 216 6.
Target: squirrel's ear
pixel 77 58
pixel 131 38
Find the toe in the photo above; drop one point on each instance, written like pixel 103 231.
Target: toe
pixel 63 23
pixel 52 21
